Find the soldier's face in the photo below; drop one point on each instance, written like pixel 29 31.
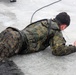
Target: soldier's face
pixel 63 26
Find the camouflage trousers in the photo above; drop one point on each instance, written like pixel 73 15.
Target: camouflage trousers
pixel 10 42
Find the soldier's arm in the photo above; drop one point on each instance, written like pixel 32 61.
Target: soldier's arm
pixel 58 45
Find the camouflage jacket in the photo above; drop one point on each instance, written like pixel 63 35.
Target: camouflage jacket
pixel 44 33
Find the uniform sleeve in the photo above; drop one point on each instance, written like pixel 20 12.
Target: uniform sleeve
pixel 58 45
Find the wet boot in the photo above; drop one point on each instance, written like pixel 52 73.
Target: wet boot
pixel 8 67
pixel 12 0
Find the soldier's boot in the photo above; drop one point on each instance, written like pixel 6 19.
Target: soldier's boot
pixel 12 0
pixel 8 67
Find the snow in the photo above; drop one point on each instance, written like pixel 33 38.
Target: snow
pixel 18 15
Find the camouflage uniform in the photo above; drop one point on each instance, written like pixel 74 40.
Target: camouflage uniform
pixel 35 37
pixel 40 37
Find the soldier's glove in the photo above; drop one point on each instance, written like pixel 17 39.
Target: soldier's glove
pixel 73 48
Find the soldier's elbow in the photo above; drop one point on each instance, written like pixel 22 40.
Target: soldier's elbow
pixel 54 53
pixel 58 53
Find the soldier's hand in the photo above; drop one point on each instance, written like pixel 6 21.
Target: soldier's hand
pixel 74 44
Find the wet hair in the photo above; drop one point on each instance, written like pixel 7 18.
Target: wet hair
pixel 63 18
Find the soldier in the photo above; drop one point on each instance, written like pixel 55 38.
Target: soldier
pixel 36 37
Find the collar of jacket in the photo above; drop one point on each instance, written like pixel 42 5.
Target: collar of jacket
pixel 53 24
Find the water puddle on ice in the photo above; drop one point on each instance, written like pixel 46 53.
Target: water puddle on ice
pixel 7 18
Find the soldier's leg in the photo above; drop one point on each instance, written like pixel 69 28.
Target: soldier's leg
pixel 10 43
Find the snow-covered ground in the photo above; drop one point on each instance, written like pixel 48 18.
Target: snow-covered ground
pixel 18 15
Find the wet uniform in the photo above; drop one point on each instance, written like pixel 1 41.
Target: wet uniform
pixel 35 37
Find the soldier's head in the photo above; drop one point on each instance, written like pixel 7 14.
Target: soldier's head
pixel 63 19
